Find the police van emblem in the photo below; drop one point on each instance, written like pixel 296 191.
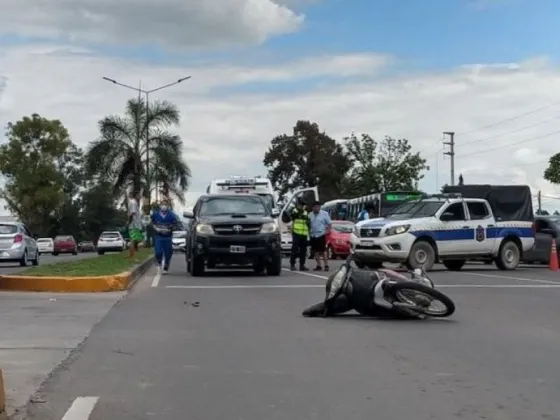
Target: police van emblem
pixel 480 234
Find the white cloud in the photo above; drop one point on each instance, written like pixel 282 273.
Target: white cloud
pixel 228 133
pixel 171 23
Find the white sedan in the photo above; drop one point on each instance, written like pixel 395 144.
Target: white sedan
pixel 110 242
pixel 179 240
pixel 45 245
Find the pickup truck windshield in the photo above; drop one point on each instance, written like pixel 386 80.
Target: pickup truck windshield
pixel 416 210
pixel 221 206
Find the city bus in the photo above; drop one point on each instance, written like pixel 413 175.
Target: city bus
pixel 383 203
pixel 337 209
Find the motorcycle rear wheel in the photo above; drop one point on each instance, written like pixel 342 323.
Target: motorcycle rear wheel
pixel 415 293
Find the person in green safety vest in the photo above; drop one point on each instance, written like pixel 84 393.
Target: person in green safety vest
pixel 300 232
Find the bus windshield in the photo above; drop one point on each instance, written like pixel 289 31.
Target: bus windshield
pixel 391 201
pixel 416 210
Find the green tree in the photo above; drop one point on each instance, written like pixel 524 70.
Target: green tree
pixel 552 173
pixel 308 157
pixel 99 210
pixel 388 165
pixel 30 163
pixel 120 154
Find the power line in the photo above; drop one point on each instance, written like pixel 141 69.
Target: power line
pixel 516 117
pixel 511 144
pixel 510 132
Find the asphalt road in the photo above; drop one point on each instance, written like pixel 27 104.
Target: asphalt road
pixel 234 346
pixel 7 268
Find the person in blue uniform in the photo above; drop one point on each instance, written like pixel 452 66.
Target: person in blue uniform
pixel 164 221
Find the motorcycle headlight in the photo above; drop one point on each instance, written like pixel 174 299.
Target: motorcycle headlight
pixel 204 229
pixel 397 230
pixel 269 228
pixel 336 283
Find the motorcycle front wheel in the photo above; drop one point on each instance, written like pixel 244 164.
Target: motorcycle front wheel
pixel 423 297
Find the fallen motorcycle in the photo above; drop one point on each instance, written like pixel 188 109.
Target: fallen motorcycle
pixel 381 293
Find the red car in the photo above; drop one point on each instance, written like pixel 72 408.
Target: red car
pixel 65 244
pixel 338 238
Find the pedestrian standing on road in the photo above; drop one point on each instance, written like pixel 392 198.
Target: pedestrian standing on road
pixel 300 231
pixel 319 222
pixel 164 222
pixel 134 224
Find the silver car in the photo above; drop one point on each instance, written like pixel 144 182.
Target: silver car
pixel 17 244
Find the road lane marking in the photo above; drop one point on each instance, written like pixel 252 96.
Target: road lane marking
pixel 157 278
pixel 494 276
pixel 81 408
pixel 252 286
pixel 549 282
pixel 320 286
pixel 305 273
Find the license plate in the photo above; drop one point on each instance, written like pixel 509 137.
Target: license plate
pixel 368 243
pixel 237 249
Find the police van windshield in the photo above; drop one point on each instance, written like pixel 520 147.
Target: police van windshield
pixel 416 210
pixel 221 206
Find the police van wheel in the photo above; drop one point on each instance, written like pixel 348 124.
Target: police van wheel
pixel 509 256
pixel 422 255
pixel 454 265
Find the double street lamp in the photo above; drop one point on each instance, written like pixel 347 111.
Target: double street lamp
pixel 147 94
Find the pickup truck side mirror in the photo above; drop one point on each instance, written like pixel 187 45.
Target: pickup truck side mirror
pixel 446 217
pixel 275 213
pixel 188 215
pixel 286 217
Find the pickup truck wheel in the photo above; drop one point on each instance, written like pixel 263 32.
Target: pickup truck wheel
pixel 454 265
pixel 274 267
pixel 197 266
pixel 509 256
pixel 422 255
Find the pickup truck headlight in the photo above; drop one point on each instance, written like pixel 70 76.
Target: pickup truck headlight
pixel 356 231
pixel 204 229
pixel 269 228
pixel 397 230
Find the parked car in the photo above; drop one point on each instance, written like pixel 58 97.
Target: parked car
pixel 338 238
pixel 546 228
pixel 17 244
pixel 65 244
pixel 45 245
pixel 86 246
pixel 179 240
pixel 110 241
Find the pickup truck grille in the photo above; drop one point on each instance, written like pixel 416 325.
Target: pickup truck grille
pixel 237 229
pixel 369 233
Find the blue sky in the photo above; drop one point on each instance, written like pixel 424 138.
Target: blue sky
pixel 429 38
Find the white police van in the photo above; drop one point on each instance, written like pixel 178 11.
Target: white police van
pixel 451 229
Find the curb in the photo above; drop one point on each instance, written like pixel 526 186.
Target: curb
pixel 96 284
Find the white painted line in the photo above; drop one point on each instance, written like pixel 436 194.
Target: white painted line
pixel 157 278
pixel 253 286
pixel 305 273
pixel 494 276
pixel 81 408
pixel 497 286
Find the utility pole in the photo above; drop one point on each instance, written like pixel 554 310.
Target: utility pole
pixel 539 201
pixel 451 153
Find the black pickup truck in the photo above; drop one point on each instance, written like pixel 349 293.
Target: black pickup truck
pixel 233 230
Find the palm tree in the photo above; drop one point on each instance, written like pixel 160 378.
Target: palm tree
pixel 120 152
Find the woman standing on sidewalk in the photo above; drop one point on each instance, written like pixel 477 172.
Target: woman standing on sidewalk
pixel 164 222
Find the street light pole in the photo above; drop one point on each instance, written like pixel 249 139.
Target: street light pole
pixel 147 94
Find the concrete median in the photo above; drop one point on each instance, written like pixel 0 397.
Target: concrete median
pixel 61 284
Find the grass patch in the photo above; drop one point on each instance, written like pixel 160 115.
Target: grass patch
pixel 101 265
